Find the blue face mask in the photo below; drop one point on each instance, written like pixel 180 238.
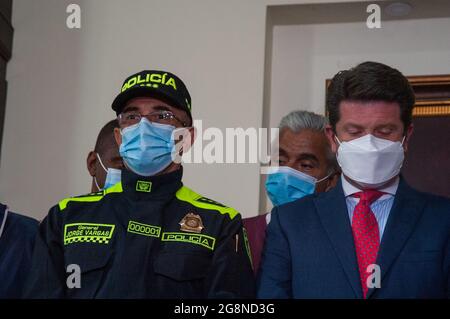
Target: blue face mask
pixel 285 184
pixel 147 148
pixel 113 175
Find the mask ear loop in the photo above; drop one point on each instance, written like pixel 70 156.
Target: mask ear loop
pixel 324 178
pixel 4 221
pixel 337 149
pixel 96 184
pixel 328 176
pixel 104 168
pixel 101 163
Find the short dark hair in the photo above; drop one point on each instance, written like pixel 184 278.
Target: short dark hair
pixel 105 137
pixel 370 81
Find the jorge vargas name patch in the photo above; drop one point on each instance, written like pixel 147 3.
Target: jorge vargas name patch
pixel 88 233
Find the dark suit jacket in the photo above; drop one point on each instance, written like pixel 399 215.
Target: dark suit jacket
pixel 16 248
pixel 310 253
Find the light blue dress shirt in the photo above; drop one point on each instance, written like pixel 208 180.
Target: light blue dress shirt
pixel 381 208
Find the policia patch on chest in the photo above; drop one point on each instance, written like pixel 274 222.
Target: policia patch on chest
pixel 196 239
pixel 88 233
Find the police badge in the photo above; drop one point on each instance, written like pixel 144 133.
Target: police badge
pixel 191 223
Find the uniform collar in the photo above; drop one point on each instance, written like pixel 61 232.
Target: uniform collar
pixel 151 187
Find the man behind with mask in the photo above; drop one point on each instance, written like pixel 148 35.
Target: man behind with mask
pixel 147 236
pixel 372 236
pixel 306 165
pixel 104 162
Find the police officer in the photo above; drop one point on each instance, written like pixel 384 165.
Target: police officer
pixel 148 236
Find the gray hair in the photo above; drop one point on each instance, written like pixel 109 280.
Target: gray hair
pixel 300 120
pixel 297 121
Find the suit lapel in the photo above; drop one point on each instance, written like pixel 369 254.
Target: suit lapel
pixel 333 213
pixel 404 215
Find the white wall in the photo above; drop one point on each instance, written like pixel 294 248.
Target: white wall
pixel 61 84
pixel 304 56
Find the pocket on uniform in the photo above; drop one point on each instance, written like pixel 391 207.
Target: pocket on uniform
pixel 88 258
pixel 182 266
pixel 93 263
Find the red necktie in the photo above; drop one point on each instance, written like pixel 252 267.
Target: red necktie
pixel 365 233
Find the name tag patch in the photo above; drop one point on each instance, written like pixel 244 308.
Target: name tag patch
pixel 143 229
pixel 88 233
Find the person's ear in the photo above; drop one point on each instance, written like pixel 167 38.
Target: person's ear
pixel 184 138
pixel 192 133
pixel 117 136
pixel 332 181
pixel 331 136
pixel 408 134
pixel 91 162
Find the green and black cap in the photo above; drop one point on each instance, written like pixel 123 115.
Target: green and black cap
pixel 154 83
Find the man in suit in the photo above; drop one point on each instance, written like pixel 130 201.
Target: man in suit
pixel 307 165
pixel 372 236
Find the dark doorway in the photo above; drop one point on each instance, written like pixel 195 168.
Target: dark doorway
pixel 6 37
pixel 427 165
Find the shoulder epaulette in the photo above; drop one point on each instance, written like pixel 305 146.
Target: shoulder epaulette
pixel 92 197
pixel 187 195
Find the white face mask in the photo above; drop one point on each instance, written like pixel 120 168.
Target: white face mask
pixel 370 161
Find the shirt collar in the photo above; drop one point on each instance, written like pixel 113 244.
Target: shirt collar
pixel 390 189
